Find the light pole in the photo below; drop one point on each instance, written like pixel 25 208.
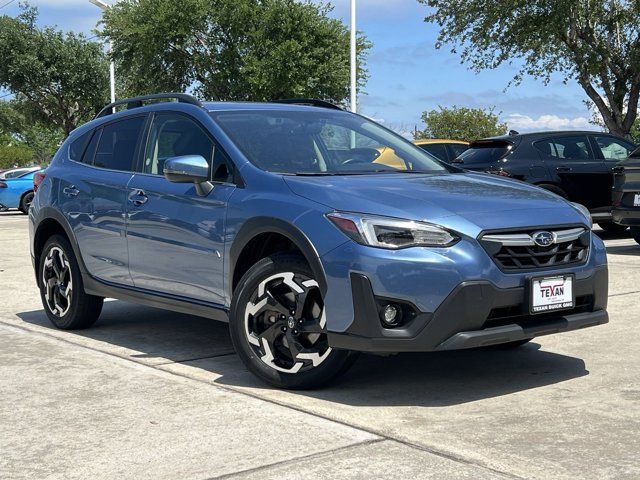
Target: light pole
pixel 112 68
pixel 354 66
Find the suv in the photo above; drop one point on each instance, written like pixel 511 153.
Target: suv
pixel 575 165
pixel 276 218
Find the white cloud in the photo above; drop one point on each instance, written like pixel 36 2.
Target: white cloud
pixel 524 123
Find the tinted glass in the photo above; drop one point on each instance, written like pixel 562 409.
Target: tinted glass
pixel 483 154
pixel 321 142
pixel 222 167
pixel 613 149
pixel 437 150
pixel 90 151
pixel 457 149
pixel 76 149
pixel 117 145
pixel 568 148
pixel 174 135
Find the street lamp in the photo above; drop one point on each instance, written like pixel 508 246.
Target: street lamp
pixel 112 68
pixel 354 67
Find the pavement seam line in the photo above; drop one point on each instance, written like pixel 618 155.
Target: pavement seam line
pixel 624 293
pixel 224 354
pixel 226 388
pixel 293 461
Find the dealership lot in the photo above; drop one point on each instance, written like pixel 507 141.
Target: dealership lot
pixel 154 394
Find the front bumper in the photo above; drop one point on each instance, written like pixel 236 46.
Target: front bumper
pixel 476 313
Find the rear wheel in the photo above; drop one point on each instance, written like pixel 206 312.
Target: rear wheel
pixel 611 227
pixel 25 202
pixel 278 325
pixel 635 233
pixel 63 297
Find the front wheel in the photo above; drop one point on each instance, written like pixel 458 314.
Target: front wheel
pixel 278 325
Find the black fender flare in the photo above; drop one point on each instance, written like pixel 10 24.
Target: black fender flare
pixel 50 213
pixel 258 225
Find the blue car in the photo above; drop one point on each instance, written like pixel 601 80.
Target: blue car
pixel 279 219
pixel 17 192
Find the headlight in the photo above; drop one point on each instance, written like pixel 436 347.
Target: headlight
pixel 584 211
pixel 392 233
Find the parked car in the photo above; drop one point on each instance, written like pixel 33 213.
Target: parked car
pixel 445 150
pixel 626 194
pixel 576 165
pixel 17 172
pixel 276 218
pixel 17 192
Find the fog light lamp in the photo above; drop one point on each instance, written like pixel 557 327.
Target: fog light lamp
pixel 391 315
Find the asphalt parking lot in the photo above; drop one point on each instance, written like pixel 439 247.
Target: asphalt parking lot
pixel 154 394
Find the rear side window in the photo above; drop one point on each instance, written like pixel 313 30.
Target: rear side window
pixel 117 145
pixel 77 147
pixel 484 153
pixel 568 148
pixel 436 149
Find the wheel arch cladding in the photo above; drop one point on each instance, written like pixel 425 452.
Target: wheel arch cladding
pixel 262 236
pixel 53 223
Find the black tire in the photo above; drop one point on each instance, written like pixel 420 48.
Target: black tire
pixel 611 227
pixel 25 202
pixel 635 233
pixel 65 301
pixel 258 354
pixel 510 345
pixel 554 189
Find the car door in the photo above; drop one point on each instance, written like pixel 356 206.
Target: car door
pixel 611 150
pixel 570 160
pixel 176 237
pixel 93 196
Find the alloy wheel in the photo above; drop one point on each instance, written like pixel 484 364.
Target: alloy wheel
pixel 57 281
pixel 285 323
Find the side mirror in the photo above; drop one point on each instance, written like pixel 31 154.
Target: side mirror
pixel 189 169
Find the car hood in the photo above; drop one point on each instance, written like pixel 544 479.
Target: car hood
pixel 455 200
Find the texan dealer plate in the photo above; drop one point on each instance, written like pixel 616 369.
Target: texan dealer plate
pixel 549 294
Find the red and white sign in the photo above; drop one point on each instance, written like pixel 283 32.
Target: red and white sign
pixel 553 293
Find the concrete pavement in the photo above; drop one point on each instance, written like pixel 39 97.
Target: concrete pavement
pixel 154 394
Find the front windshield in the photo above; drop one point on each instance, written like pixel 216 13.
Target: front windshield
pixel 321 143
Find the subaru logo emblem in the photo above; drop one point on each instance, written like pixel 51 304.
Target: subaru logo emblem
pixel 543 239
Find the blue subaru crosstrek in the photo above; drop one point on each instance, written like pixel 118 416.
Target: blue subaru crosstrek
pixel 280 219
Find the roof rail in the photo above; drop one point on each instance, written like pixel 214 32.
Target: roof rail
pixel 313 102
pixel 137 102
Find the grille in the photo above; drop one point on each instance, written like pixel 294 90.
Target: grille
pixel 519 251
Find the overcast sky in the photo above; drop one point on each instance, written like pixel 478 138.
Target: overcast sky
pixel 408 74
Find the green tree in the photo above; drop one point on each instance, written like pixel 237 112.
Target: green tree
pixel 594 42
pixel 232 49
pixel 18 128
pixel 460 123
pixel 62 78
pixel 15 156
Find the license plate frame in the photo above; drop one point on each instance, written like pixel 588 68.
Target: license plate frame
pixel 549 283
pixel 636 199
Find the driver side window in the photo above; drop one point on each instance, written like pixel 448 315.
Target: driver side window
pixel 173 135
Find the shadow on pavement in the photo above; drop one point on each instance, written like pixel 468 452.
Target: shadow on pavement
pixel 421 379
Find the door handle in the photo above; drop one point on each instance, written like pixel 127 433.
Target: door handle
pixel 70 191
pixel 563 169
pixel 138 197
